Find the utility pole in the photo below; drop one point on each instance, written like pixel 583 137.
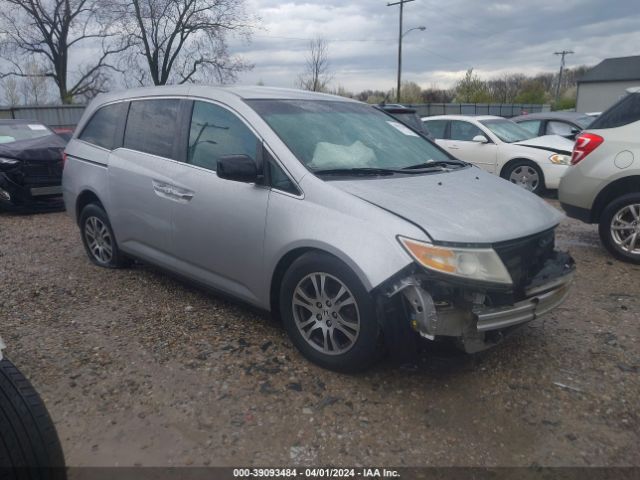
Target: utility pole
pixel 401 3
pixel 562 54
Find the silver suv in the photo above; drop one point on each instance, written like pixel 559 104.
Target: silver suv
pixel 354 229
pixel 603 186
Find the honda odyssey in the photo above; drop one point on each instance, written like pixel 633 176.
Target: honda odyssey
pixel 355 230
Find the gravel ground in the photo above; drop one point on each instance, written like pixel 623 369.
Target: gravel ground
pixel 138 368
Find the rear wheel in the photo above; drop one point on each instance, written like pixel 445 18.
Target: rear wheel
pixel 525 174
pixel 328 313
pixel 620 228
pixel 98 238
pixel 29 444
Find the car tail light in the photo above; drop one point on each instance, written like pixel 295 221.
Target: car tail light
pixel 585 144
pixel 64 158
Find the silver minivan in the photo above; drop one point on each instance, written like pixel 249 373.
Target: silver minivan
pixel 357 231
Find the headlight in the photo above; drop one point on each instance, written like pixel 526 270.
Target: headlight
pixel 559 159
pixel 471 263
pixel 8 161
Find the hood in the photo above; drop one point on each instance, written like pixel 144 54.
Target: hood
pixel 48 148
pixel 553 143
pixel 462 206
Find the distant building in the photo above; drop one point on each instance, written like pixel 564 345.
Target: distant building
pixel 605 83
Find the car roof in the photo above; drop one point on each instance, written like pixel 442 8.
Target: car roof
pixel 464 117
pixel 219 92
pixel 550 116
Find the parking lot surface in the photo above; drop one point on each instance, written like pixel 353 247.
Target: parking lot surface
pixel 139 368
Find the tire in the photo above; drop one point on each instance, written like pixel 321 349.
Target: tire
pixel 525 174
pixel 623 211
pixel 29 444
pixel 98 238
pixel 346 320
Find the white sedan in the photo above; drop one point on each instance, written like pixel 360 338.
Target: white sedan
pixel 504 148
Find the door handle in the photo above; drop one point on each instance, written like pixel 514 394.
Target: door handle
pixel 184 196
pixel 172 192
pixel 454 147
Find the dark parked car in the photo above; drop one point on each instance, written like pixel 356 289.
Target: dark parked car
pixel 30 165
pixel 566 124
pixel 407 116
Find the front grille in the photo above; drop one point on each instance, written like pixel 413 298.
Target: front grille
pixel 41 172
pixel 525 257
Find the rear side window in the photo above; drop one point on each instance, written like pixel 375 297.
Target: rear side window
pixel 216 132
pixel 626 111
pixel 464 131
pixel 558 128
pixel 101 129
pixel 436 127
pixel 532 126
pixel 152 126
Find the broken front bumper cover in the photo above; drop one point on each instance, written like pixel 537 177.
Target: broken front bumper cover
pixel 470 315
pixel 539 301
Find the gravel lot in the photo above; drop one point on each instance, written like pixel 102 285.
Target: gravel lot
pixel 138 368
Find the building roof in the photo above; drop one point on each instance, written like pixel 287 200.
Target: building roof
pixel 614 70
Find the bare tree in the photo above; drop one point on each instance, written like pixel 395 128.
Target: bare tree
pixel 316 76
pixel 180 41
pixel 34 86
pixel 49 32
pixel 11 89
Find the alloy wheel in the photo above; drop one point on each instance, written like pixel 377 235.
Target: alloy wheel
pixel 98 239
pixel 326 313
pixel 625 229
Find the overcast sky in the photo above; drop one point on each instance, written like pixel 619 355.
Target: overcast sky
pixel 493 37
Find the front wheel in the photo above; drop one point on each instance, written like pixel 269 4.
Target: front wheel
pixel 525 174
pixel 328 314
pixel 620 228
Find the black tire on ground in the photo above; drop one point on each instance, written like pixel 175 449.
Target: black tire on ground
pixel 540 187
pixel 88 215
pixel 606 234
pixel 29 444
pixel 367 347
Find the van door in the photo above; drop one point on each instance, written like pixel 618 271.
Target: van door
pixel 219 233
pixel 142 189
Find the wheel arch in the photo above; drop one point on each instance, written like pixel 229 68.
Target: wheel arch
pixel 617 188
pixel 508 163
pixel 291 256
pixel 85 198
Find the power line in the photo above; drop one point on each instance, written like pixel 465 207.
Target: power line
pixel 562 54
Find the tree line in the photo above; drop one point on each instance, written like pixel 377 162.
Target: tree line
pixel 506 88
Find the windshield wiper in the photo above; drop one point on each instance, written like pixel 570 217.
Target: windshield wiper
pixel 370 171
pixel 433 163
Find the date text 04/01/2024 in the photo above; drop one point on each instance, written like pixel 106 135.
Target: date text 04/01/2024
pixel 316 473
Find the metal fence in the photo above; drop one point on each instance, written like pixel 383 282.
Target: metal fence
pixel 499 109
pixel 68 116
pixel 59 116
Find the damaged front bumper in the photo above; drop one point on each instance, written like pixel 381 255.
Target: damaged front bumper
pixel 478 316
pixel 17 191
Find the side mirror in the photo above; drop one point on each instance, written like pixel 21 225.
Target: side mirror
pixel 238 168
pixel 480 139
